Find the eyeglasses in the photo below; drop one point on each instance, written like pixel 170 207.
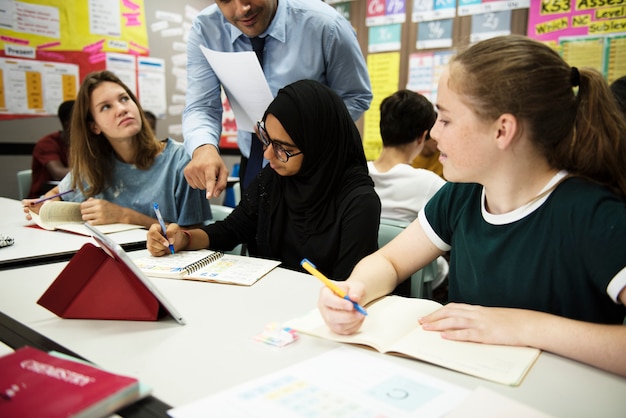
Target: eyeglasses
pixel 279 151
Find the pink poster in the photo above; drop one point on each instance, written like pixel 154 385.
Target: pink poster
pixel 550 20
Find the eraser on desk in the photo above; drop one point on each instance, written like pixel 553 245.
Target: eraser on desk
pixel 5 240
pixel 276 335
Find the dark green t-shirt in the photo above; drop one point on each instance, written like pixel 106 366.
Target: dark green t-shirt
pixel 557 255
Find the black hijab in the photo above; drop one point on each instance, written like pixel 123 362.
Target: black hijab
pixel 334 163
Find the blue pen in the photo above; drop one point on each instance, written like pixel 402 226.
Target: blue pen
pixel 310 267
pixel 160 218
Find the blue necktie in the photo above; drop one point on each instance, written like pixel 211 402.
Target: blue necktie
pixel 255 161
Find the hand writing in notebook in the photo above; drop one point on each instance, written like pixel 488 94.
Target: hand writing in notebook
pixel 157 211
pixel 310 267
pixel 339 313
pixel 159 240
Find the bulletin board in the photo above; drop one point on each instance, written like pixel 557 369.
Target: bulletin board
pixel 407 43
pixel 586 33
pixel 48 46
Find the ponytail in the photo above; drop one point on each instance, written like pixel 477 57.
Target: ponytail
pixel 597 150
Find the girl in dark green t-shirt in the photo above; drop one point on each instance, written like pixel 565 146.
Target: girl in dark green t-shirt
pixel 534 215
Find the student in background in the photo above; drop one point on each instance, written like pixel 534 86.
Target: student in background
pixel 50 155
pixel 151 118
pixel 618 87
pixel 534 210
pixel 428 158
pixel 405 120
pixel 119 168
pixel 314 199
pixel 302 40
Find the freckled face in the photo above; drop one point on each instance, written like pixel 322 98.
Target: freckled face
pixel 467 144
pixel 277 133
pixel 115 114
pixel 251 17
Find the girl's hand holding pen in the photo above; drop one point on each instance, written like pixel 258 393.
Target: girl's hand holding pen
pixel 28 206
pixel 158 245
pixel 339 313
pixel 33 205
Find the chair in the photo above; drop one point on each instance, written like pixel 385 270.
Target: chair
pixel 421 282
pixel 232 195
pixel 24 180
pixel 237 192
pixel 220 213
pixel 233 191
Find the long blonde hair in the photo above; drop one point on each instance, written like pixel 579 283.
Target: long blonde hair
pixel 91 155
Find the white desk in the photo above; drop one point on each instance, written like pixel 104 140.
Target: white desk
pixel 36 246
pixel 216 350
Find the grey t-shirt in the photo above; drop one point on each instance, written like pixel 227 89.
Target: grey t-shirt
pixel 163 183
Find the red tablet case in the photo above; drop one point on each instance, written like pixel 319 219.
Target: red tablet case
pixel 96 286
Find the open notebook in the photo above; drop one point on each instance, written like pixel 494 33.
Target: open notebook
pixel 66 216
pixel 207 266
pixel 392 327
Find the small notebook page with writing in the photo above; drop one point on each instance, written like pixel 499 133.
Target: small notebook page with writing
pixel 207 266
pixel 177 265
pixel 234 269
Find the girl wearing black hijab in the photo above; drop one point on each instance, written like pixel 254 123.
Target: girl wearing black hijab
pixel 314 199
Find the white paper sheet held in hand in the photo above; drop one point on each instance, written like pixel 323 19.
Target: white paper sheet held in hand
pixel 242 78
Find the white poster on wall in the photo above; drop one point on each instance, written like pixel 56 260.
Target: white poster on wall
pixel 125 67
pixel 35 87
pixel 151 85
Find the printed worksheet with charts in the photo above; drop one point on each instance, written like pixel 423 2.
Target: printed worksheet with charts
pixel 343 382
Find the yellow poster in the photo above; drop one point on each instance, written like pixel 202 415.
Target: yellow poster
pixel 33 27
pixel 616 65
pixel 384 70
pixel 584 52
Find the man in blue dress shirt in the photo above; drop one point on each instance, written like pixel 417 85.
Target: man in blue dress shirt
pixel 303 39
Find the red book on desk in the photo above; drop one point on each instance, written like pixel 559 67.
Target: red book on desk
pixel 36 384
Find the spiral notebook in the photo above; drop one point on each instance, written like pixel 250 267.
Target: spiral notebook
pixel 207 266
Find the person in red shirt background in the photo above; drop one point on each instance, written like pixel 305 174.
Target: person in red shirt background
pixel 50 155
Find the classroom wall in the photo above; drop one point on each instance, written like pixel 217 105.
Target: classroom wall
pixel 28 131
